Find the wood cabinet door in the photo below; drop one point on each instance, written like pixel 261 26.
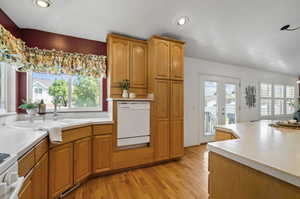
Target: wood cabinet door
pixel 118 60
pixel 220 136
pixel 27 189
pixel 40 179
pixel 176 138
pixel 176 124
pixel 162 99
pixel 176 109
pixel 138 65
pixel 82 159
pixel 102 153
pixel 162 140
pixel 177 61
pixel 60 169
pixel 162 59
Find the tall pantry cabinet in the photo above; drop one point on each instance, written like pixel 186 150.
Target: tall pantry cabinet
pixel 165 81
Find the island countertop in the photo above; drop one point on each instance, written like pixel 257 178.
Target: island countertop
pixel 274 151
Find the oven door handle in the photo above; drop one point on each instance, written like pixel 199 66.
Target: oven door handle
pixel 17 187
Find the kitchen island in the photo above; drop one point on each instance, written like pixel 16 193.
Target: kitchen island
pixel 262 162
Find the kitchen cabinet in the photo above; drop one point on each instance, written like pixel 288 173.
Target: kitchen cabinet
pixel 176 100
pixel 162 140
pixel 27 188
pixel 82 159
pixel 162 59
pixel 26 163
pixel 102 153
pixel 118 60
pixel 165 78
pixel 177 59
pixel 138 65
pixel 127 59
pixel 33 165
pixel 176 138
pixel 176 112
pixel 223 135
pixel 162 99
pixel 166 59
pixel 61 169
pixel 162 120
pixel 40 179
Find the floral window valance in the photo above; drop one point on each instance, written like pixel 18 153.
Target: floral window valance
pixel 52 61
pixel 49 61
pixel 11 49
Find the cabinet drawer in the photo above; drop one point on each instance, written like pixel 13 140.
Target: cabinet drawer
pixel 26 191
pixel 102 129
pixel 41 149
pixel 76 134
pixel 26 163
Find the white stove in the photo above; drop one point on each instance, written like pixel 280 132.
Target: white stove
pixel 10 182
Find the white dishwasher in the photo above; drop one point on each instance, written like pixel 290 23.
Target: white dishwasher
pixel 133 123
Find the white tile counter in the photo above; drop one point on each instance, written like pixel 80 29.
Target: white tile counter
pixel 18 137
pixel 274 151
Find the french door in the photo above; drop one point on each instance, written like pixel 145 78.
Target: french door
pixel 219 104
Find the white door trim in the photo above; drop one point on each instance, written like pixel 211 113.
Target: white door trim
pixel 220 80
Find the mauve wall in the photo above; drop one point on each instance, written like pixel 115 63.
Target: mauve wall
pixel 47 40
pixel 8 24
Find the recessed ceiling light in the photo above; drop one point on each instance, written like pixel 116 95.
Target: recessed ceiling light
pixel 43 3
pixel 182 20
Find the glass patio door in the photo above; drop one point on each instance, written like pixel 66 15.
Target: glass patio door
pixel 219 104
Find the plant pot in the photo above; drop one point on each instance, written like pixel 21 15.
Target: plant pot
pixel 125 94
pixel 296 116
pixel 30 113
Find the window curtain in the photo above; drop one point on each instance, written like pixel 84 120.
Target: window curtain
pixel 11 49
pixel 27 59
pixel 53 61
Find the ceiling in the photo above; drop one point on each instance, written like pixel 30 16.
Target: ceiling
pixel 244 33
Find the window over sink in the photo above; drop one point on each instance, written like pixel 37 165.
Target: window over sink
pixel 77 93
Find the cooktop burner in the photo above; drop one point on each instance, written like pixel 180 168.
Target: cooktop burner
pixel 3 156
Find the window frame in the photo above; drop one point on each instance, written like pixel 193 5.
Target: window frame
pixel 101 108
pixel 283 98
pixel 273 98
pixel 267 98
pixel 289 98
pixel 9 81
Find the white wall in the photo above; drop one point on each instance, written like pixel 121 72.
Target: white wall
pixel 195 67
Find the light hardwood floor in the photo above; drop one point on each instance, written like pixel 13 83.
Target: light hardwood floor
pixel 183 179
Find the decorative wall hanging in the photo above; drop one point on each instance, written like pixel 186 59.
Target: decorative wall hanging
pixel 250 96
pixel 13 50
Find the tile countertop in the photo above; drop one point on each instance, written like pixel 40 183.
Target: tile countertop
pixel 274 151
pixel 18 137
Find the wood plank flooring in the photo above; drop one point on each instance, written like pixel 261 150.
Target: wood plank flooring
pixel 183 179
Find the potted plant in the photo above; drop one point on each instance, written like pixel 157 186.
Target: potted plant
pixel 30 108
pixel 296 115
pixel 125 86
